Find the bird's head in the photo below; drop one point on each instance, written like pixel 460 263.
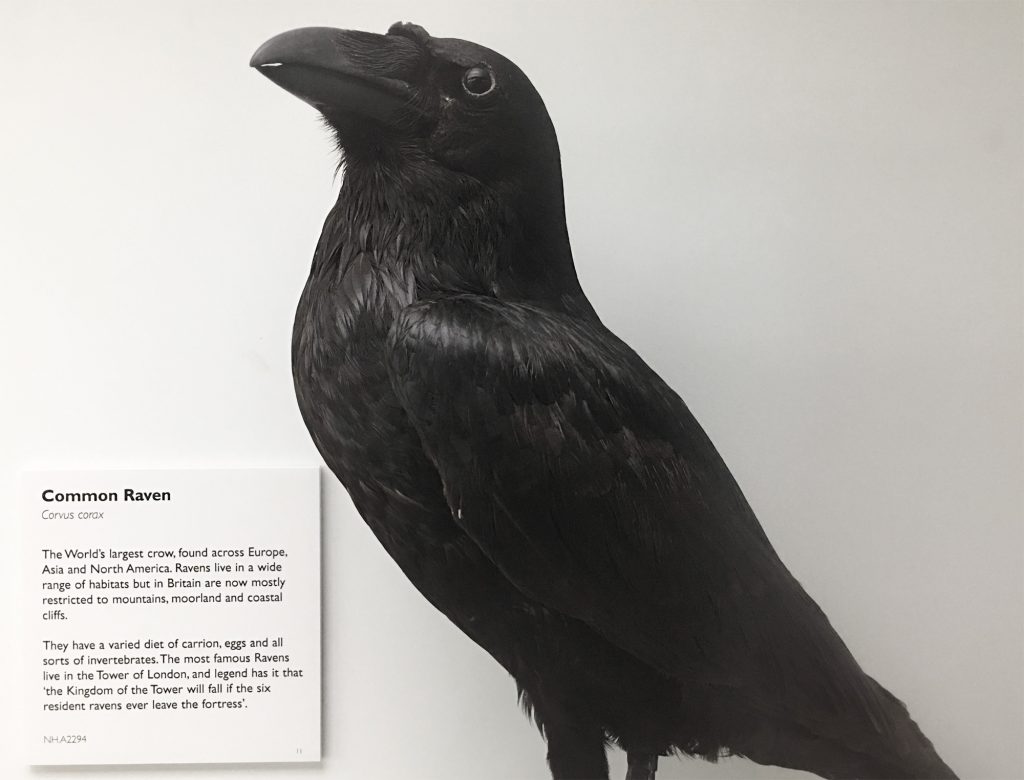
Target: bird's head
pixel 406 98
pixel 446 143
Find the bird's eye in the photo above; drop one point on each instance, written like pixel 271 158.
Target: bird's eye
pixel 478 81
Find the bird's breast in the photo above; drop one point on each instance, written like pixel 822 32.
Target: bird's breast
pixel 348 405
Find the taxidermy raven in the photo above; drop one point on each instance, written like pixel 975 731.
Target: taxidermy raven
pixel 536 481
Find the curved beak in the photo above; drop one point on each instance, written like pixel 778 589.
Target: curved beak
pixel 344 72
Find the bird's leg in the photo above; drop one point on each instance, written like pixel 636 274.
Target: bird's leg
pixel 641 766
pixel 576 752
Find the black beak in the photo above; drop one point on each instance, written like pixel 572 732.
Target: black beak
pixel 345 73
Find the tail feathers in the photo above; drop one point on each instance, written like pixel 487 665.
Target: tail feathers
pixel 900 752
pixel 795 750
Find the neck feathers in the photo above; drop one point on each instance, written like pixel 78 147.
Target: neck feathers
pixel 449 233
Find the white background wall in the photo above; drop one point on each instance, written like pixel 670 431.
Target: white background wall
pixel 806 216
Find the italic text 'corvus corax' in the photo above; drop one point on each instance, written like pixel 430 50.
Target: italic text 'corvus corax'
pixel 531 475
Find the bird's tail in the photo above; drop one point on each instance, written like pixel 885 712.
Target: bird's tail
pixel 900 752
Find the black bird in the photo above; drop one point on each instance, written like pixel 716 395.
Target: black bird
pixel 536 481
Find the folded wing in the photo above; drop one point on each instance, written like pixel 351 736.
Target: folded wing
pixel 587 481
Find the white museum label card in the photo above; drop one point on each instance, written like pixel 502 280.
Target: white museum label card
pixel 172 616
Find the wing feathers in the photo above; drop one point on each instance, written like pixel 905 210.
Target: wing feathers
pixel 587 481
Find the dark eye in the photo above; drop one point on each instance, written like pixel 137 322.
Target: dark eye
pixel 478 80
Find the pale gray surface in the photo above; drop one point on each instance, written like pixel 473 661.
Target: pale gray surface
pixel 806 216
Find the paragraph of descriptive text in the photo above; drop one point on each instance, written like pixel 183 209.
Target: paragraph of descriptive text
pixel 150 675
pixel 74 578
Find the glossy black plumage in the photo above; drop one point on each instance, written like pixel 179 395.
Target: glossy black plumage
pixel 533 478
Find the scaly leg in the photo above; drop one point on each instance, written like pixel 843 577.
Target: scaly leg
pixel 641 766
